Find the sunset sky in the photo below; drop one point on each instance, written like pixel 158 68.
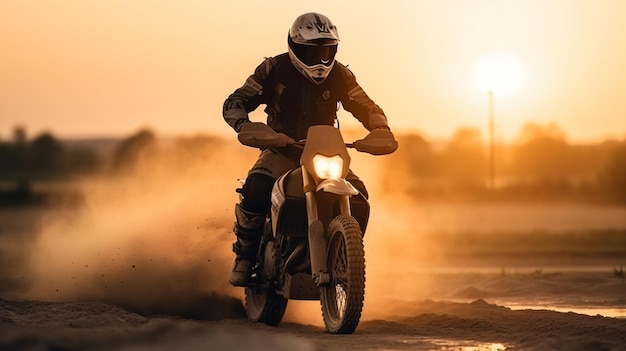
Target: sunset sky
pixel 87 68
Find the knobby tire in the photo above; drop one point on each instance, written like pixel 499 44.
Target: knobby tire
pixel 342 299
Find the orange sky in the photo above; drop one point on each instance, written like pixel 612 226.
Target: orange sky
pixel 103 68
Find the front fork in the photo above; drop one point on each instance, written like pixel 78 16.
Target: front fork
pixel 317 239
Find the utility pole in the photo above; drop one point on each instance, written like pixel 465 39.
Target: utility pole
pixel 492 147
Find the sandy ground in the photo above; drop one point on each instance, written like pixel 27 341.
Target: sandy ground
pixel 388 324
pixel 114 293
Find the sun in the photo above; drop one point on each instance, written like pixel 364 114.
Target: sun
pixel 499 72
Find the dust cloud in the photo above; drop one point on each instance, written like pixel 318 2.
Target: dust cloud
pixel 154 238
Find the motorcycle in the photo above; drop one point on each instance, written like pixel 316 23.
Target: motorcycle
pixel 312 245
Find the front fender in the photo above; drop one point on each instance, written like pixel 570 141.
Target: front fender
pixel 337 186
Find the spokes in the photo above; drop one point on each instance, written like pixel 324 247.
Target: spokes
pixel 340 299
pixel 340 275
pixel 340 266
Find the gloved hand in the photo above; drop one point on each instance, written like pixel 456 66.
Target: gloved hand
pixel 260 135
pixel 379 141
pixel 283 139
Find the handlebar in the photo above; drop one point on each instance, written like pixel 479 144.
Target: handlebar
pixel 260 135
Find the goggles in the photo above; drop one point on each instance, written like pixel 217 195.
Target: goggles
pixel 312 55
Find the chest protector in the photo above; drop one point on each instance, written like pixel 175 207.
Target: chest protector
pixel 294 103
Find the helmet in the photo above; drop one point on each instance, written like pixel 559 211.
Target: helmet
pixel 313 41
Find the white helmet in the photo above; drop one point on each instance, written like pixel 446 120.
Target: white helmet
pixel 313 41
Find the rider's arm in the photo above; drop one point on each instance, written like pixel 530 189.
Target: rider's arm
pixel 247 98
pixel 356 101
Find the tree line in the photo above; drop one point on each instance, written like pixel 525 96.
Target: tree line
pixel 43 158
pixel 540 165
pixel 47 158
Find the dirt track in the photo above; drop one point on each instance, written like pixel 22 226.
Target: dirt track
pixel 417 325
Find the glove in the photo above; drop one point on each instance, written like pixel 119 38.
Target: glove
pixel 260 135
pixel 283 139
pixel 379 141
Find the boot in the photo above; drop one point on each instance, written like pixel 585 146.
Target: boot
pixel 245 259
pixel 240 276
pixel 248 229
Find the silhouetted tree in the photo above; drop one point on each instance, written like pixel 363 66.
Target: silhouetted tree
pixel 543 153
pixel 613 178
pixel 414 162
pixel 47 154
pixel 80 161
pixel 463 158
pixel 131 149
pixel 19 136
pixel 13 156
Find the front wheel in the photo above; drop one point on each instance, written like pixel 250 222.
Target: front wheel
pixel 342 298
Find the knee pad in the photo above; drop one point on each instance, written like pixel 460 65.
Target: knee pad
pixel 256 193
pixel 249 221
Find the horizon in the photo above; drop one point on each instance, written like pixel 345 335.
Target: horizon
pixel 92 69
pixel 551 130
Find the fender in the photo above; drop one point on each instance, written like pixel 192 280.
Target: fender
pixel 337 186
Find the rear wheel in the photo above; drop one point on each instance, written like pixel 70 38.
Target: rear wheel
pixel 264 305
pixel 342 298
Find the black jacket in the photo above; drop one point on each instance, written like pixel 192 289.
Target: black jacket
pixel 293 103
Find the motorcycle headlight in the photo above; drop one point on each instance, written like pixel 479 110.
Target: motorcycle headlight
pixel 328 167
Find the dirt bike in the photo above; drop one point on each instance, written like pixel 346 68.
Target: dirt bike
pixel 312 245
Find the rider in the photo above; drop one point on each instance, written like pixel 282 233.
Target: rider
pixel 300 88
